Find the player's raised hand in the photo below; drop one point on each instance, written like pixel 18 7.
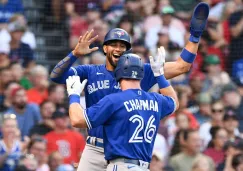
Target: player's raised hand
pixel 82 48
pixel 198 21
pixel 157 65
pixel 74 86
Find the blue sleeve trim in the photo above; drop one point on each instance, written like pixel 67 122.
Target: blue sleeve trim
pixel 87 119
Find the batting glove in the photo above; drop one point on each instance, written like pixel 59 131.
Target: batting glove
pixel 198 21
pixel 158 65
pixel 74 86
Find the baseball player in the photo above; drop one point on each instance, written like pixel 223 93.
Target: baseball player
pixel 131 117
pixel 101 80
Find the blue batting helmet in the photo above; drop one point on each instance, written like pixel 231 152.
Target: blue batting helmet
pixel 129 66
pixel 118 34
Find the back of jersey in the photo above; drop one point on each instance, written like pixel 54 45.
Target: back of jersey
pixel 130 131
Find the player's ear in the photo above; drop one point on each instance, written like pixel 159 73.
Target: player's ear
pixel 105 49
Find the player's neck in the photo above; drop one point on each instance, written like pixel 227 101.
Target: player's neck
pixel 130 84
pixel 109 67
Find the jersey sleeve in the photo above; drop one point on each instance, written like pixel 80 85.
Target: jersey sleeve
pixel 149 80
pixel 168 105
pixel 98 113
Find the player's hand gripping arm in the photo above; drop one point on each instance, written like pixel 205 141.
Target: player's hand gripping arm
pixel 157 66
pixel 62 70
pixel 188 54
pixel 74 89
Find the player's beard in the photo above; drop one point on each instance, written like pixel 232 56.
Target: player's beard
pixel 113 63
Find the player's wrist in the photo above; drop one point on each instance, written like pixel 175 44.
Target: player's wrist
pixel 187 56
pixel 72 54
pixel 74 98
pixel 194 39
pixel 162 82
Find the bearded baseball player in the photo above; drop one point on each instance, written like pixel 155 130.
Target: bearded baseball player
pixel 130 118
pixel 102 82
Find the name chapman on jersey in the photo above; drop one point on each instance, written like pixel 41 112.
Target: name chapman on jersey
pixel 141 105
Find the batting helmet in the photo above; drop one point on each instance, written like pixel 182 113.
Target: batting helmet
pixel 118 34
pixel 129 66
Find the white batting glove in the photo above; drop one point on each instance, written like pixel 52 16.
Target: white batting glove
pixel 157 66
pixel 74 86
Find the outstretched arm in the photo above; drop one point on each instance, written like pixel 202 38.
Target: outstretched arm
pixel 180 66
pixel 63 69
pixel 188 54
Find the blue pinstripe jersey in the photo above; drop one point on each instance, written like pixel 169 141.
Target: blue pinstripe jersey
pixel 102 82
pixel 130 119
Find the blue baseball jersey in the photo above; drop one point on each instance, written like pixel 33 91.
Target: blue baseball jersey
pixel 130 119
pixel 102 82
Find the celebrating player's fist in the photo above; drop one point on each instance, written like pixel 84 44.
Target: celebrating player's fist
pixel 74 86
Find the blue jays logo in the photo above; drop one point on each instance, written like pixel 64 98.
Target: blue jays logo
pixel 120 33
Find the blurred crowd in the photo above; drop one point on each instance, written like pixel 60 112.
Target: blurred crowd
pixel 205 134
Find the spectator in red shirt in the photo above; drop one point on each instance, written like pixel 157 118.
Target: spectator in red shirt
pixel 215 146
pixel 68 143
pixel 39 77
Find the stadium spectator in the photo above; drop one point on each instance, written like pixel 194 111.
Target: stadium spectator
pixel 196 79
pixel 178 144
pixel 28 161
pixel 7 99
pixel 215 78
pixel 217 115
pixel 184 160
pixel 28 114
pixel 55 160
pixel 176 29
pixel 201 164
pixel 79 24
pixel 39 79
pixel 231 126
pixel 6 77
pixel 215 146
pixel 47 108
pixel 10 146
pixel 204 101
pixel 56 94
pixel 68 143
pixel 18 75
pixel 20 52
pixel 231 149
pixel 236 30
pixel 9 8
pixel 237 162
pixel 233 101
pixel 37 147
pixel 4 52
pixel 101 28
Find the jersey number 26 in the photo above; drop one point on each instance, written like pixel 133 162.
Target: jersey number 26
pixel 149 130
